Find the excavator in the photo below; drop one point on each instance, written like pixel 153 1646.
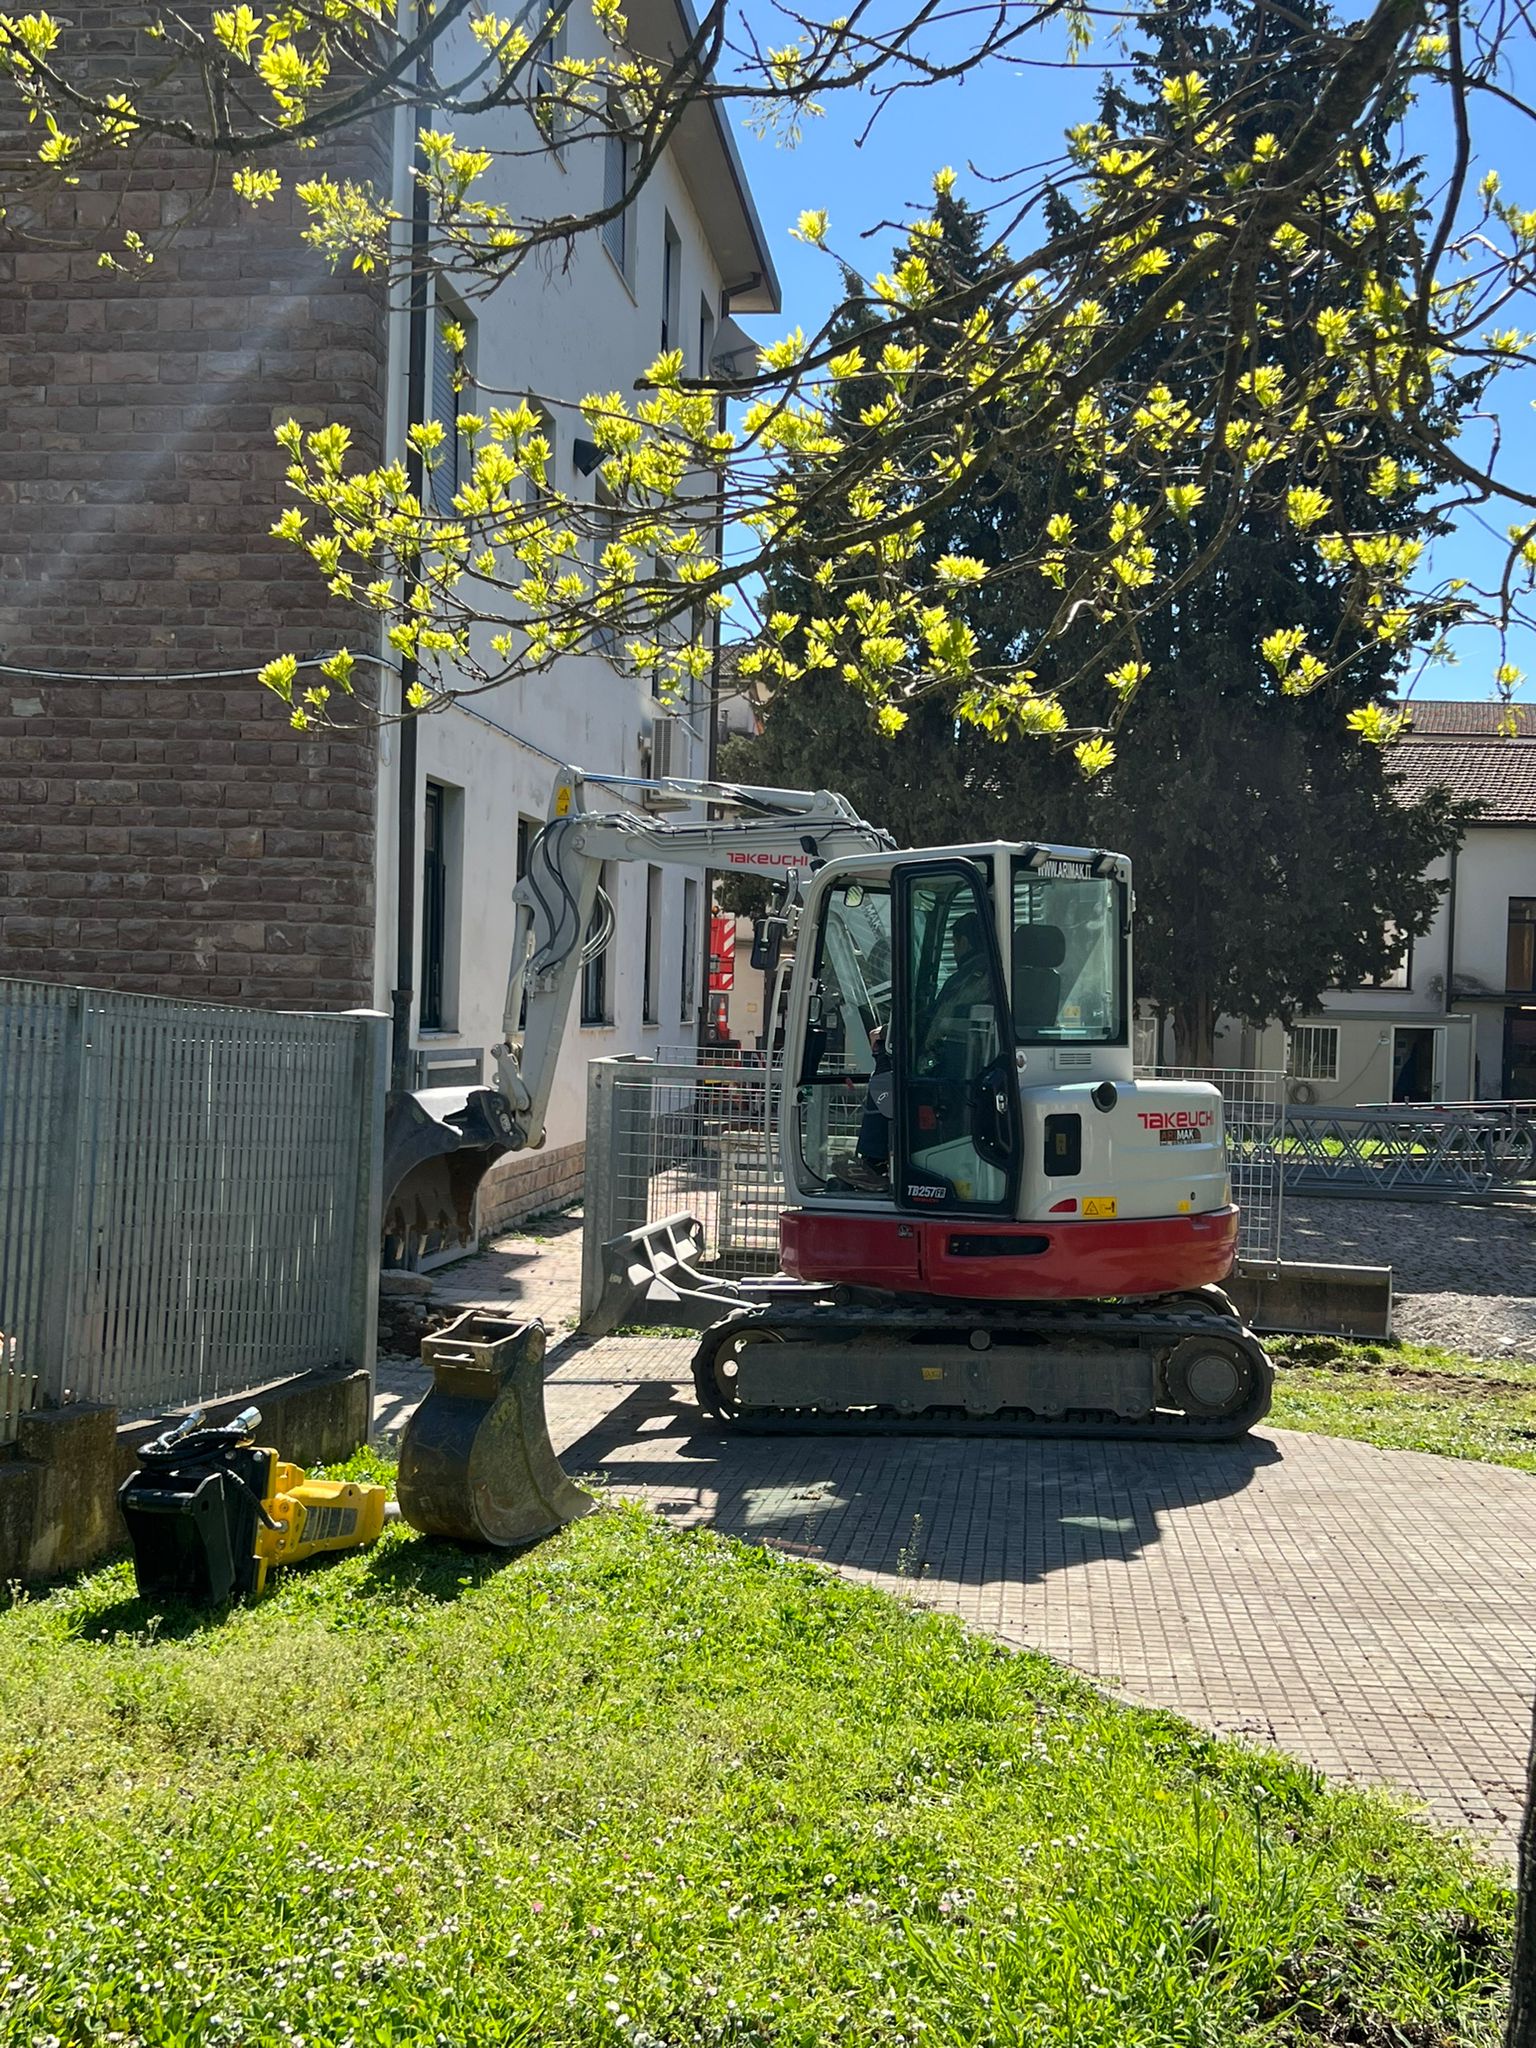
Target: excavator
pixel 998 1227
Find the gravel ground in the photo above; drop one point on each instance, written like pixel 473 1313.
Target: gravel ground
pixel 1463 1273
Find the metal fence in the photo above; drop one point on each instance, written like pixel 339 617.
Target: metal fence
pixel 664 1137
pixel 1254 1115
pixel 189 1196
pixel 1409 1152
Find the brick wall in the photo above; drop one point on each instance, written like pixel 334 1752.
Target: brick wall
pixel 177 838
pixel 529 1184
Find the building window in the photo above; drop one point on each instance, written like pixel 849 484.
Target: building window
pixel 1520 950
pixel 618 176
pixel 533 19
pixel 690 986
pixel 1400 973
pixel 653 945
pixel 453 464
pixel 1314 1052
pixel 545 431
pixel 438 904
pixel 671 286
pixel 596 985
pixel 706 337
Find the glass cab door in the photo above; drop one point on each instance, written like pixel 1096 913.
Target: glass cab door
pixel 956 1107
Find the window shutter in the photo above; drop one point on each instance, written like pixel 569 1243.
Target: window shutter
pixel 445 408
pixel 615 166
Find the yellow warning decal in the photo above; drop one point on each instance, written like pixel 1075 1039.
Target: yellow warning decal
pixel 563 800
pixel 933 1372
pixel 1099 1205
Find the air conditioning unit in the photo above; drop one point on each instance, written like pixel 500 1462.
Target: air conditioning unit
pixel 664 754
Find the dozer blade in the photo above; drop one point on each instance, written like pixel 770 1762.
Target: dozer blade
pixel 439 1145
pixel 655 1275
pixel 476 1463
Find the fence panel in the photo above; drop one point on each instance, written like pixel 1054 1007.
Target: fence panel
pixel 670 1136
pixel 1410 1151
pixel 1254 1114
pixel 185 1195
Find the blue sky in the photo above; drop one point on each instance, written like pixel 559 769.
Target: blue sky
pixel 1011 115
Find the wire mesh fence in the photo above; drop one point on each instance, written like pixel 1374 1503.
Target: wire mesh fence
pixel 672 1137
pixel 1253 1117
pixel 664 1137
pixel 188 1196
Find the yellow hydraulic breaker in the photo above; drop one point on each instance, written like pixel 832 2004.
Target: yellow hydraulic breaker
pixel 305 1516
pixel 209 1512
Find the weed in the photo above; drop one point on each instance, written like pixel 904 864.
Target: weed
pixel 911 1561
pixel 1409 1397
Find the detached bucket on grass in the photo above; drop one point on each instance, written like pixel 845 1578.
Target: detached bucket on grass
pixel 476 1462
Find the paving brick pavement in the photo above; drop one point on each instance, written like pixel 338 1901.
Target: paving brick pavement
pixel 1370 1611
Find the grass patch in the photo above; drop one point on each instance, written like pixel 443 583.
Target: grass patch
pixel 661 1789
pixel 1408 1397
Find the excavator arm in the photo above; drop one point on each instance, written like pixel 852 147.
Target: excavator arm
pixel 439 1143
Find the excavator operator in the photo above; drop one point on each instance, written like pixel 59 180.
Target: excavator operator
pixel 948 1023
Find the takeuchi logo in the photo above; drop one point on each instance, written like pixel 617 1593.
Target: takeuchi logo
pixel 1176 1119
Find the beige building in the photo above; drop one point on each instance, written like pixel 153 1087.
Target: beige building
pixel 1456 1021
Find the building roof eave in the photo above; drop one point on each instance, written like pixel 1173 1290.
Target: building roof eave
pixel 706 154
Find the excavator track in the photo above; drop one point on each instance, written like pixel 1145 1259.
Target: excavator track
pixel 1182 1370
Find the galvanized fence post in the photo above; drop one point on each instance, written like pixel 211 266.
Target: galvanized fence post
pixel 371 1068
pixel 64 1211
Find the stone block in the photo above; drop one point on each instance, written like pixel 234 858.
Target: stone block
pixel 72 1452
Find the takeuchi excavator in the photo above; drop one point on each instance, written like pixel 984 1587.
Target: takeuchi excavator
pixel 1001 1228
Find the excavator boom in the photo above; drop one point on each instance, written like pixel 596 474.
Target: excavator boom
pixel 440 1143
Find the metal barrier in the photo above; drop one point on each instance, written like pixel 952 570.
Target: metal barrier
pixel 668 1138
pixel 189 1196
pixel 1411 1151
pixel 664 1138
pixel 1255 1118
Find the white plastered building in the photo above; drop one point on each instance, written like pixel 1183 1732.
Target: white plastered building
pixel 687 255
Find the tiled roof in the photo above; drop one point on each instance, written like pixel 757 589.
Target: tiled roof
pixel 1457 746
pixel 1435 715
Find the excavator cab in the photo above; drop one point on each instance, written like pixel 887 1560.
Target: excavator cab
pixel 926 958
pixel 995 980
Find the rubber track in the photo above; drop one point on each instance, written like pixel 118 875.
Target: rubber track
pixel 1168 1326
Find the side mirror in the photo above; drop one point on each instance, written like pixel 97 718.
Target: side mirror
pixel 767 944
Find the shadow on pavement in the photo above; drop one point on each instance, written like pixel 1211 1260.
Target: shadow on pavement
pixel 969 1511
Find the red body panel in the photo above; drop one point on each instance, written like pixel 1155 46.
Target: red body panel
pixel 1048 1260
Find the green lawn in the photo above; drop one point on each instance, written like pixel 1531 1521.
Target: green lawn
pixel 660 1789
pixel 1408 1397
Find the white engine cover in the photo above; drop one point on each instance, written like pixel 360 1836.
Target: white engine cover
pixel 1159 1150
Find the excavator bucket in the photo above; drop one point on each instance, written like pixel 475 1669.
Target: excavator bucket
pixel 439 1143
pixel 476 1463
